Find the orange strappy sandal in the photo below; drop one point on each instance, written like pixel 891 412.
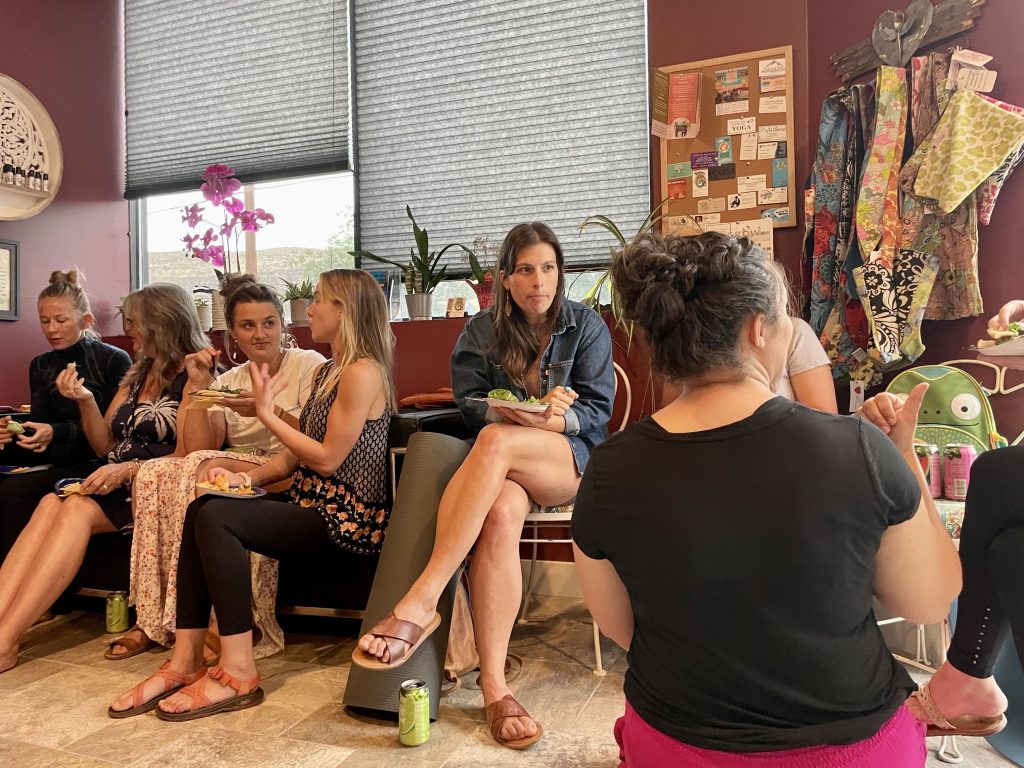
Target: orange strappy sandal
pixel 173 682
pixel 249 695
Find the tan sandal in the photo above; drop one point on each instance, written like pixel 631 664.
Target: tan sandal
pixel 173 682
pixel 964 725
pixel 249 695
pixel 503 709
pixel 393 628
pixel 132 646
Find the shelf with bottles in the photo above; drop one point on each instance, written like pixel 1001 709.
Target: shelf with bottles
pixel 31 162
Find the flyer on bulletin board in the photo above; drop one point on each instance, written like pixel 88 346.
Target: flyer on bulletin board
pixel 676 105
pixel 732 91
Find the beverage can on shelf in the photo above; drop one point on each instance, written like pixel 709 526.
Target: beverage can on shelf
pixel 931 463
pixel 957 461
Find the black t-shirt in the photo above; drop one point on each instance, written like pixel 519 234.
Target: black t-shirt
pixel 748 553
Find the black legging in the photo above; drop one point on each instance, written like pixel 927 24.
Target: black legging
pixel 214 562
pixel 992 555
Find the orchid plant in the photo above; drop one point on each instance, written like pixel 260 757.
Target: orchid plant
pixel 219 244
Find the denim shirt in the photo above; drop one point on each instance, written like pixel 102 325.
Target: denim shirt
pixel 579 355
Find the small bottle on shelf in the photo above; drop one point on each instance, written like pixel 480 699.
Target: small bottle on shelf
pixel 8 174
pixel 19 176
pixel 46 182
pixel 31 181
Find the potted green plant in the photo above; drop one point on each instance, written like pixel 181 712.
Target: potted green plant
pixel 422 274
pixel 299 296
pixel 204 312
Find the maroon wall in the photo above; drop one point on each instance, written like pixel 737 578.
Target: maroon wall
pixel 679 32
pixel 70 56
pixel 999 31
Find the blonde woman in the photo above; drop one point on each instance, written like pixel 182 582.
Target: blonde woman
pixel 166 487
pixel 140 424
pixel 336 505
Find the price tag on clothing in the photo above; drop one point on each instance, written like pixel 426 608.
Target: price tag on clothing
pixel 856 395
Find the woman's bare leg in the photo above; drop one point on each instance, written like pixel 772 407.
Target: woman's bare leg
pixel 539 461
pixel 54 568
pixel 22 557
pixel 496 584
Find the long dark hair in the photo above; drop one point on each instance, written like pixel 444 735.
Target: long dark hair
pixel 518 346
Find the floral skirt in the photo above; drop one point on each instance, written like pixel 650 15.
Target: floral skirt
pixel 162 491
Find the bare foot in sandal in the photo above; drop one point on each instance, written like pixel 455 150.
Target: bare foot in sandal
pixel 131 643
pixel 965 702
pixel 392 650
pixel 213 690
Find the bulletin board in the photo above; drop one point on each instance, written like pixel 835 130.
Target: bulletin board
pixel 727 141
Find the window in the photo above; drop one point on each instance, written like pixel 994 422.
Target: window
pixel 481 115
pixel 312 232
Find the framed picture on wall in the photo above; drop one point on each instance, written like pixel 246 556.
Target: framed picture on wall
pixel 8 280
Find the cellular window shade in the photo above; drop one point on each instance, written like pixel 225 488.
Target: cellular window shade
pixel 261 86
pixel 482 114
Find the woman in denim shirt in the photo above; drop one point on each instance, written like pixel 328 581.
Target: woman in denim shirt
pixel 535 342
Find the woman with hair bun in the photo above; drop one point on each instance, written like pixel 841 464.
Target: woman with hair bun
pixel 53 434
pixel 166 487
pixel 140 424
pixel 739 582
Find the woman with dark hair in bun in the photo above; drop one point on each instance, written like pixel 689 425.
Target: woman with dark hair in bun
pixel 535 342
pixel 733 541
pixel 53 434
pixel 165 488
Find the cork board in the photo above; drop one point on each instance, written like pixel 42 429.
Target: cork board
pixel 727 140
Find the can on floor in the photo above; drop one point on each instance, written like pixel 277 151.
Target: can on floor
pixel 117 612
pixel 958 459
pixel 930 459
pixel 414 713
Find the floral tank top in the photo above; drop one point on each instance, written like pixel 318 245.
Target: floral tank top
pixel 147 430
pixel 353 501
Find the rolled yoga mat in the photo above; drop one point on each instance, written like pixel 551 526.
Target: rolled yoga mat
pixel 430 462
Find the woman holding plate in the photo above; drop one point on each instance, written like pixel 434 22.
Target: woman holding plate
pixel 140 424
pixel 532 342
pixel 336 504
pixel 166 487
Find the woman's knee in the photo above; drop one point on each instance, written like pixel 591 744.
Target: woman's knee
pixel 504 521
pixel 492 442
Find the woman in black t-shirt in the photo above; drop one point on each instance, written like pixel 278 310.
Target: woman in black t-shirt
pixel 733 542
pixel 140 423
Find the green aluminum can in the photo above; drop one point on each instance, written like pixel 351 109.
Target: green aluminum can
pixel 117 612
pixel 414 713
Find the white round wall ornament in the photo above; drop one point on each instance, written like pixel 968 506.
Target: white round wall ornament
pixel 30 147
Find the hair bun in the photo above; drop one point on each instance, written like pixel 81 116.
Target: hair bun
pixel 72 277
pixel 232 283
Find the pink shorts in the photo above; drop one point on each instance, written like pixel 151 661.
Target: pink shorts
pixel 898 744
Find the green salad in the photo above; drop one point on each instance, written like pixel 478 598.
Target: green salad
pixel 504 394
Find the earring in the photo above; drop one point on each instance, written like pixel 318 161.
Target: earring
pixel 229 348
pixel 508 304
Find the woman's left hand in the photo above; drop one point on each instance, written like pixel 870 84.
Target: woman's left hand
pixel 107 479
pixel 560 399
pixel 39 440
pixel 244 404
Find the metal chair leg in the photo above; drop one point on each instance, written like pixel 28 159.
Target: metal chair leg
pixel 529 584
pixel 599 669
pixel 948 751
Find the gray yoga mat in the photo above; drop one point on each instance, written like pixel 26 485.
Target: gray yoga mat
pixel 430 462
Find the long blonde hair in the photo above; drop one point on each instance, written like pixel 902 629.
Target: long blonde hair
pixel 363 328
pixel 166 317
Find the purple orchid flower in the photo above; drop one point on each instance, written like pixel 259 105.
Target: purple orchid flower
pixel 263 216
pixel 218 171
pixel 193 214
pixel 208 236
pixel 249 221
pixel 213 254
pixel 189 240
pixel 233 205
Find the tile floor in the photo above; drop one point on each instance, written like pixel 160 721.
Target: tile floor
pixel 53 707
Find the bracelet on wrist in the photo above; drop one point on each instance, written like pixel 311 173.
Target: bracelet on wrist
pixel 246 479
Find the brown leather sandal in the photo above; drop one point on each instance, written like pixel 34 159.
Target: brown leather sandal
pixel 964 725
pixel 393 628
pixel 500 711
pixel 173 682
pixel 249 695
pixel 133 647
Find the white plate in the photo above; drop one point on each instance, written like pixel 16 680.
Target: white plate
pixel 1011 348
pixel 496 403
pixel 256 493
pixel 7 469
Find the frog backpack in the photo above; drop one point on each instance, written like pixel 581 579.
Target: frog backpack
pixel 955 407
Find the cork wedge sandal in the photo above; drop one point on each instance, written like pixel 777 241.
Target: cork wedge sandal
pixel 249 695
pixel 964 725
